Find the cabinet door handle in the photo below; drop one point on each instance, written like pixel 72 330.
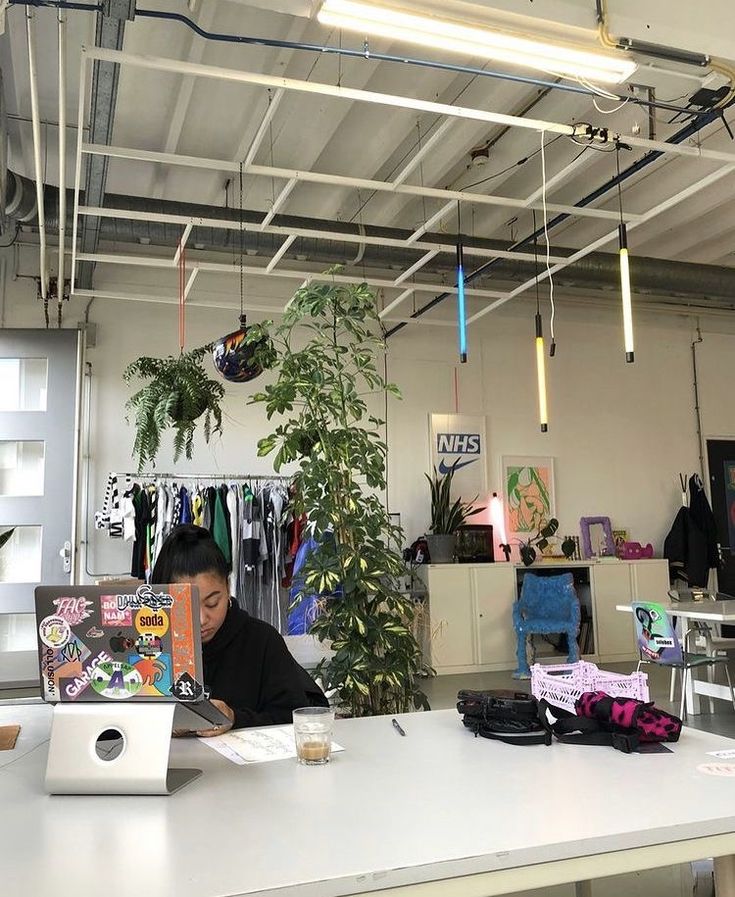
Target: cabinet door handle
pixel 480 614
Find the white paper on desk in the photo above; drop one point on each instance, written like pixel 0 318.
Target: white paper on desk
pixel 723 755
pixel 243 746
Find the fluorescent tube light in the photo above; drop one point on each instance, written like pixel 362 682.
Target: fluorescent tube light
pixel 444 34
pixel 461 309
pixel 543 411
pixel 625 292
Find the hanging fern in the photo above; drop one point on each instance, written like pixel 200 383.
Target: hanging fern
pixel 179 394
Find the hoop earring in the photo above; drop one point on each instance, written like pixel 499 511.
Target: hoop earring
pixel 230 602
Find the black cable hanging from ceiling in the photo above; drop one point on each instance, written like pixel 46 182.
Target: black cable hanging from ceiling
pixel 684 134
pixel 360 54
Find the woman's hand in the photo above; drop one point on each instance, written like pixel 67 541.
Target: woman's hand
pixel 219 730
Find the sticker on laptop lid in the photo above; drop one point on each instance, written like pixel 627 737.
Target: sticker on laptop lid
pixel 186 688
pixel 153 622
pixel 54 631
pixel 116 680
pixel 112 615
pixel 73 610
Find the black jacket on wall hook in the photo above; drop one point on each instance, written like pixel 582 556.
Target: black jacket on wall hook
pixel 691 545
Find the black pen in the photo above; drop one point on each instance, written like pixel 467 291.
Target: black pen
pixel 397 727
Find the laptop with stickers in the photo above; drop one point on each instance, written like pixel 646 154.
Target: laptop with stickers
pixel 97 644
pixel 103 652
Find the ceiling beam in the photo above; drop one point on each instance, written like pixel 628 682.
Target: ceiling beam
pixel 109 35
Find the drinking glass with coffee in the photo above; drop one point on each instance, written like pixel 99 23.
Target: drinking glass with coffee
pixel 312 728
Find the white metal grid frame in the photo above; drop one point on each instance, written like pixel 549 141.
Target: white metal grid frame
pixel 292 177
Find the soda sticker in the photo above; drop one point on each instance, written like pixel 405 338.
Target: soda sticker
pixel 54 631
pixel 717 769
pixel 151 622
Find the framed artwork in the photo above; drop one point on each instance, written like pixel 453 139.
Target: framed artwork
pixel 528 493
pixel 597 537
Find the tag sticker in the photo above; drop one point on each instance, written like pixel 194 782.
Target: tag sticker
pixel 718 769
pixel 73 610
pixel 54 631
pixel 116 680
pixel 186 688
pixel 112 615
pixel 154 622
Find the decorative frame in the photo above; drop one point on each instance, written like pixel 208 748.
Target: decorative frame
pixel 584 524
pixel 527 504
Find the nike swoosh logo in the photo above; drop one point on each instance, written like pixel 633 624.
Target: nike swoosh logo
pixel 445 468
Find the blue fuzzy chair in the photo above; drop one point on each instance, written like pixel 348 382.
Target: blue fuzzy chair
pixel 548 604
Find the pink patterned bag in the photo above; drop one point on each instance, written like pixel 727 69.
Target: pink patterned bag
pixel 616 714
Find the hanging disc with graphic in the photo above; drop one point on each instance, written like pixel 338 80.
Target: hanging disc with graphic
pixel 116 680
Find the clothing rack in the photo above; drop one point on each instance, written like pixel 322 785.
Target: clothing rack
pixel 155 475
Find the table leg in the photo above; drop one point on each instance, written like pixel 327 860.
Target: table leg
pixel 725 876
pixel 583 889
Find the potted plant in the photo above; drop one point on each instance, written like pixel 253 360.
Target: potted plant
pixel 324 355
pixel 540 540
pixel 446 516
pixel 179 395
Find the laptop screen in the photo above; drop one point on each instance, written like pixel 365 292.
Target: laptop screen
pixel 117 644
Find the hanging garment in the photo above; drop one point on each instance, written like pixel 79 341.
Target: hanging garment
pixel 250 529
pixel 197 508
pixel 704 518
pixel 102 518
pixel 233 509
pixel 219 525
pixel 128 514
pixel 210 494
pixel 142 503
pixel 162 503
pixel 186 515
pixel 302 615
pixel 224 491
pixel 685 548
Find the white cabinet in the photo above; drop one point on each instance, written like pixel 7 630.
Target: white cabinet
pixel 613 630
pixel 471 607
pixel 452 617
pixel 494 593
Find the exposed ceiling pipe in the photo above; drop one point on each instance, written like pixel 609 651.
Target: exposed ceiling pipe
pixel 62 152
pixel 365 53
pixel 105 75
pixel 682 135
pixel 598 271
pixel 37 166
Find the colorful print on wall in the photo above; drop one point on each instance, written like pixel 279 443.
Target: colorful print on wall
pixel 730 500
pixel 528 493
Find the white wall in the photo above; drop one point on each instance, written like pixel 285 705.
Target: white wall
pixel 619 433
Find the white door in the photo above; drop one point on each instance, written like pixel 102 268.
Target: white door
pixel 39 376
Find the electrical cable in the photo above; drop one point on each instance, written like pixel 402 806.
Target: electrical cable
pixel 520 162
pixel 552 348
pixel 323 49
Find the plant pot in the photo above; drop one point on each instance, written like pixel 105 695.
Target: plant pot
pixel 441 548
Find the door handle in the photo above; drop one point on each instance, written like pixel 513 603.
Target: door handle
pixel 65 555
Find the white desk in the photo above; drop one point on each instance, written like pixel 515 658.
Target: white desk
pixel 706 612
pixel 435 813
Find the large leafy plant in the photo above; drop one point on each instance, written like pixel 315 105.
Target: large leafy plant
pixel 322 388
pixel 447 516
pixel 179 395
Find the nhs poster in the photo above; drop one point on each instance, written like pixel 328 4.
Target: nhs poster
pixel 460 438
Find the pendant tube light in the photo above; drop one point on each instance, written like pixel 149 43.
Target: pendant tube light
pixel 628 339
pixel 398 22
pixel 461 307
pixel 543 407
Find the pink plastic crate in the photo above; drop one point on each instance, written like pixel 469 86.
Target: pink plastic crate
pixel 562 684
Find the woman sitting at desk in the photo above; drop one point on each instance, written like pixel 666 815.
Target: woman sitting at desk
pixel 248 670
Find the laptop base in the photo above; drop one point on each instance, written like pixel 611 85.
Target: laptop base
pixel 130 758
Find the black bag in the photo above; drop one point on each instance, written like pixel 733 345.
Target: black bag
pixel 509 716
